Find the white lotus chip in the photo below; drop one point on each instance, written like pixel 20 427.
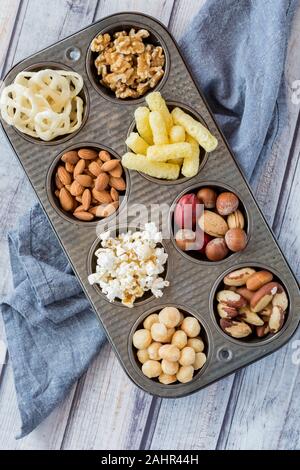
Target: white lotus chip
pixel 43 104
pixel 130 264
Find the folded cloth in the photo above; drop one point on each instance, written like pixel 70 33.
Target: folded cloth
pixel 236 51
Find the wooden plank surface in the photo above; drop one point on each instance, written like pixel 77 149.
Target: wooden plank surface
pixel 256 407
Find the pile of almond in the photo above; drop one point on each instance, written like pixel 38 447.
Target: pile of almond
pixel 251 303
pixel 88 183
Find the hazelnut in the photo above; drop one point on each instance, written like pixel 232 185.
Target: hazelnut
pixel 196 343
pixel 151 369
pixel 148 322
pixel 227 203
pixel 167 379
pixel 208 197
pixel 185 374
pixel 185 239
pixel 153 351
pixel 141 339
pixel 169 316
pixel 216 249
pixel 143 355
pixel 170 368
pixel 180 339
pixel 191 327
pixel 236 239
pixel 187 356
pixel 199 361
pixel 159 332
pixel 169 352
pixel 236 220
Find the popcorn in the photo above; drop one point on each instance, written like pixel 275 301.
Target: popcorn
pixel 129 265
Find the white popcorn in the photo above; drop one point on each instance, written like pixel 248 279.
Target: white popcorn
pixel 129 265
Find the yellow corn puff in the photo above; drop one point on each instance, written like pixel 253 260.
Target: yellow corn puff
pixel 177 134
pixel 190 165
pixel 195 129
pixel 158 127
pixel 136 143
pixel 141 115
pixel 168 171
pixel 156 103
pixel 163 153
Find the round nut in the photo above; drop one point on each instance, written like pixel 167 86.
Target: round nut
pixel 170 333
pixel 151 369
pixel 236 239
pixel 153 351
pixel 142 339
pixel 159 332
pixel 236 220
pixel 169 368
pixel 200 360
pixel 208 197
pixel 142 355
pixel 187 356
pixel 169 316
pixel 191 327
pixel 216 249
pixel 185 374
pixel 169 352
pixel 196 343
pixel 258 279
pixel 148 322
pixel 167 379
pixel 227 203
pixel 179 339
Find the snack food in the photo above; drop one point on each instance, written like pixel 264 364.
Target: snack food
pixel 127 63
pixel 258 314
pixel 163 148
pixel 85 185
pixel 44 104
pixel 206 233
pixel 174 357
pixel 129 265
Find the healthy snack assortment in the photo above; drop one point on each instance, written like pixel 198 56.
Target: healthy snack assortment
pixel 130 264
pixel 44 104
pixel 216 231
pixel 166 143
pixel 127 63
pixel 89 183
pixel 252 303
pixel 169 346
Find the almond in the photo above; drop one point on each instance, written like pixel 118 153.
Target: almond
pixel 259 279
pixel 212 224
pixel 86 199
pixel 70 157
pixel 102 181
pixel 238 277
pixel 80 166
pixel 105 210
pixel 264 295
pixel 69 167
pixel 63 175
pixel 109 165
pixel 104 156
pixel 84 180
pixel 117 171
pixel 56 192
pixel 58 183
pixel 76 189
pixel 95 168
pixel 85 216
pixel 87 154
pixel 79 208
pixel 114 194
pixel 66 200
pixel 102 196
pixel 117 183
pixel 79 199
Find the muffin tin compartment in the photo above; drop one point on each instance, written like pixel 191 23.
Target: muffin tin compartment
pixel 154 38
pixel 193 282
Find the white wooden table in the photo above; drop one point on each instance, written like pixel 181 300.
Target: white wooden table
pixel 256 408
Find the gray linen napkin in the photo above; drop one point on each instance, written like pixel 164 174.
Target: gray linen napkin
pixel 236 50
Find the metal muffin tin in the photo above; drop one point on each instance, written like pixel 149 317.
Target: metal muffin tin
pixel 192 284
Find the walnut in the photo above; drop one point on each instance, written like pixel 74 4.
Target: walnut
pixel 127 65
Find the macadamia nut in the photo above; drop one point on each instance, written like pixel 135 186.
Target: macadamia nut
pixel 196 343
pixel 169 316
pixel 153 351
pixel 185 374
pixel 142 355
pixel 191 327
pixel 169 368
pixel 167 379
pixel 179 339
pixel 142 339
pixel 187 356
pixel 148 322
pixel 170 333
pixel 159 332
pixel 169 352
pixel 151 369
pixel 199 361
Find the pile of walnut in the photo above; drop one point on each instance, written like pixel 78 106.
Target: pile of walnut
pixel 88 183
pixel 169 346
pixel 251 303
pixel 126 65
